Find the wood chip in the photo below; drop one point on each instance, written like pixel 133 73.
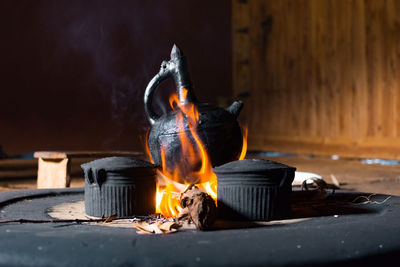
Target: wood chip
pixel 335 182
pixel 169 226
pixel 111 218
pixel 156 228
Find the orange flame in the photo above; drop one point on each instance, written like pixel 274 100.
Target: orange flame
pixel 193 151
pixel 244 146
pixel 146 146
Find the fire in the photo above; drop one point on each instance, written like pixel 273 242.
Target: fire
pixel 244 146
pixel 168 189
pixel 146 145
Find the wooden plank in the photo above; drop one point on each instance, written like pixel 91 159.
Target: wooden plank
pixel 17 164
pixel 84 154
pixel 364 148
pixel 394 24
pixel 24 173
pixel 322 69
pixel 358 70
pixel 241 54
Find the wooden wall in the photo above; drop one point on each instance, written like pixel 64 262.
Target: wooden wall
pixel 323 75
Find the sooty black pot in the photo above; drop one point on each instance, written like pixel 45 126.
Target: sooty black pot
pixel 123 186
pixel 254 189
pixel 217 128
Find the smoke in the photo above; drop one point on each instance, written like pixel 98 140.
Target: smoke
pixel 89 62
pixel 120 41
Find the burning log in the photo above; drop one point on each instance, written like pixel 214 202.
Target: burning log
pixel 198 207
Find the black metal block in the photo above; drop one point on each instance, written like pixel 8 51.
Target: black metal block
pixel 121 186
pixel 254 189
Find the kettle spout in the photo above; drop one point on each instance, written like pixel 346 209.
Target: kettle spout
pixel 176 52
pixel 235 108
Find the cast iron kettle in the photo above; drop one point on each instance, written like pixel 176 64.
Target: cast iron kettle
pixel 217 128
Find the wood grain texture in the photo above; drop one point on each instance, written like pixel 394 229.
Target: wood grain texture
pixel 85 154
pixel 53 173
pixel 323 75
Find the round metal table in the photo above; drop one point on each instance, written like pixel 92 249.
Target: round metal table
pixel 335 230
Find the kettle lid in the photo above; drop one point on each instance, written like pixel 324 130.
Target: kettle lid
pixel 251 166
pixel 120 164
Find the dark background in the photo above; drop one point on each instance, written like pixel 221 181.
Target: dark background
pixel 73 73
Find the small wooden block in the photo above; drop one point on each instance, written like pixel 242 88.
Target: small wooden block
pixel 53 173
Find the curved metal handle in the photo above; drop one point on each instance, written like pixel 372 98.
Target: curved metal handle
pixel 177 69
pixel 164 74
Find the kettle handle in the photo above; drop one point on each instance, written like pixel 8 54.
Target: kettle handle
pixel 177 69
pixel 164 74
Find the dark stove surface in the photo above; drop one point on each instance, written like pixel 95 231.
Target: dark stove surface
pixel 336 231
